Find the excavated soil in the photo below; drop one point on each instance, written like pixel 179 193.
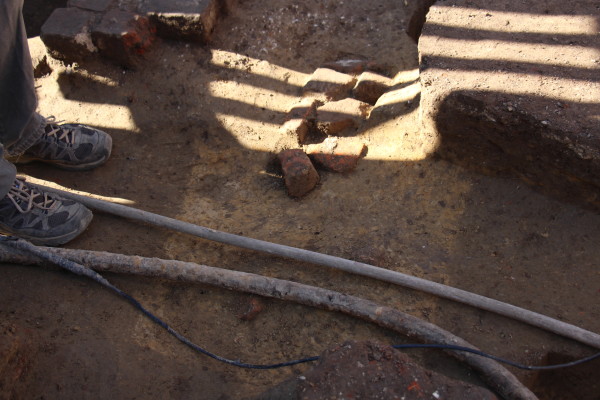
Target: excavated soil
pixel 195 133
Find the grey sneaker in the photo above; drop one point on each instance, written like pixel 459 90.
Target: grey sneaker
pixel 41 218
pixel 69 146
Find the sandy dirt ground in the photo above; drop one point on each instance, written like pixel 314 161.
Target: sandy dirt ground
pixel 195 132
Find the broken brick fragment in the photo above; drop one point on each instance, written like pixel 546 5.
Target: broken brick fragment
pixel 370 86
pixel 122 36
pixel 66 34
pixel 192 20
pixel 301 118
pixel 253 307
pixel 342 158
pixel 342 117
pixel 298 171
pixel 327 84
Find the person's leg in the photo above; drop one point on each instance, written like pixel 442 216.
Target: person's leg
pixel 8 173
pixel 25 134
pixel 20 126
pixel 26 211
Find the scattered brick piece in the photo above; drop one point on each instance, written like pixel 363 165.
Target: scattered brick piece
pixel 66 34
pixel 121 36
pixel 301 118
pixel 327 84
pixel 92 5
pixel 342 158
pixel 342 117
pixel 297 127
pixel 300 175
pixel 370 87
pixel 253 308
pixel 192 20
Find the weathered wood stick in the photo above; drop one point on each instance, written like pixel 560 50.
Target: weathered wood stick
pixel 496 376
pixel 354 267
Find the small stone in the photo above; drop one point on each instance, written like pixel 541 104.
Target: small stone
pixel 327 84
pixel 370 87
pixel 342 117
pixel 299 174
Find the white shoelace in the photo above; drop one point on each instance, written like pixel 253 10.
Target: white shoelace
pixel 27 194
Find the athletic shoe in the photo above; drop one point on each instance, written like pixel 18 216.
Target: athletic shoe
pixel 69 146
pixel 41 218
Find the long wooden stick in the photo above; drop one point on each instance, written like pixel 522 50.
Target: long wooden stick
pixel 499 379
pixel 382 274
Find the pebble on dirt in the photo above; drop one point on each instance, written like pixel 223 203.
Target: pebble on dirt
pixel 298 171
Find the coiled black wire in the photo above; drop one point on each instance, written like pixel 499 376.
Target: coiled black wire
pixel 90 273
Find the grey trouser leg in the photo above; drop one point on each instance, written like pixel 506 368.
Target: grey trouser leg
pixel 8 172
pixel 20 125
pixel 17 92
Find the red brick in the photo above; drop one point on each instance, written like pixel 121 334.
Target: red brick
pixel 370 87
pixel 301 118
pixel 329 85
pixel 297 127
pixel 66 34
pixel 342 117
pixel 342 158
pixel 300 175
pixel 122 36
pixel 192 20
pixel 251 310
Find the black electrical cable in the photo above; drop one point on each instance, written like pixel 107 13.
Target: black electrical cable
pixel 495 358
pixel 87 272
